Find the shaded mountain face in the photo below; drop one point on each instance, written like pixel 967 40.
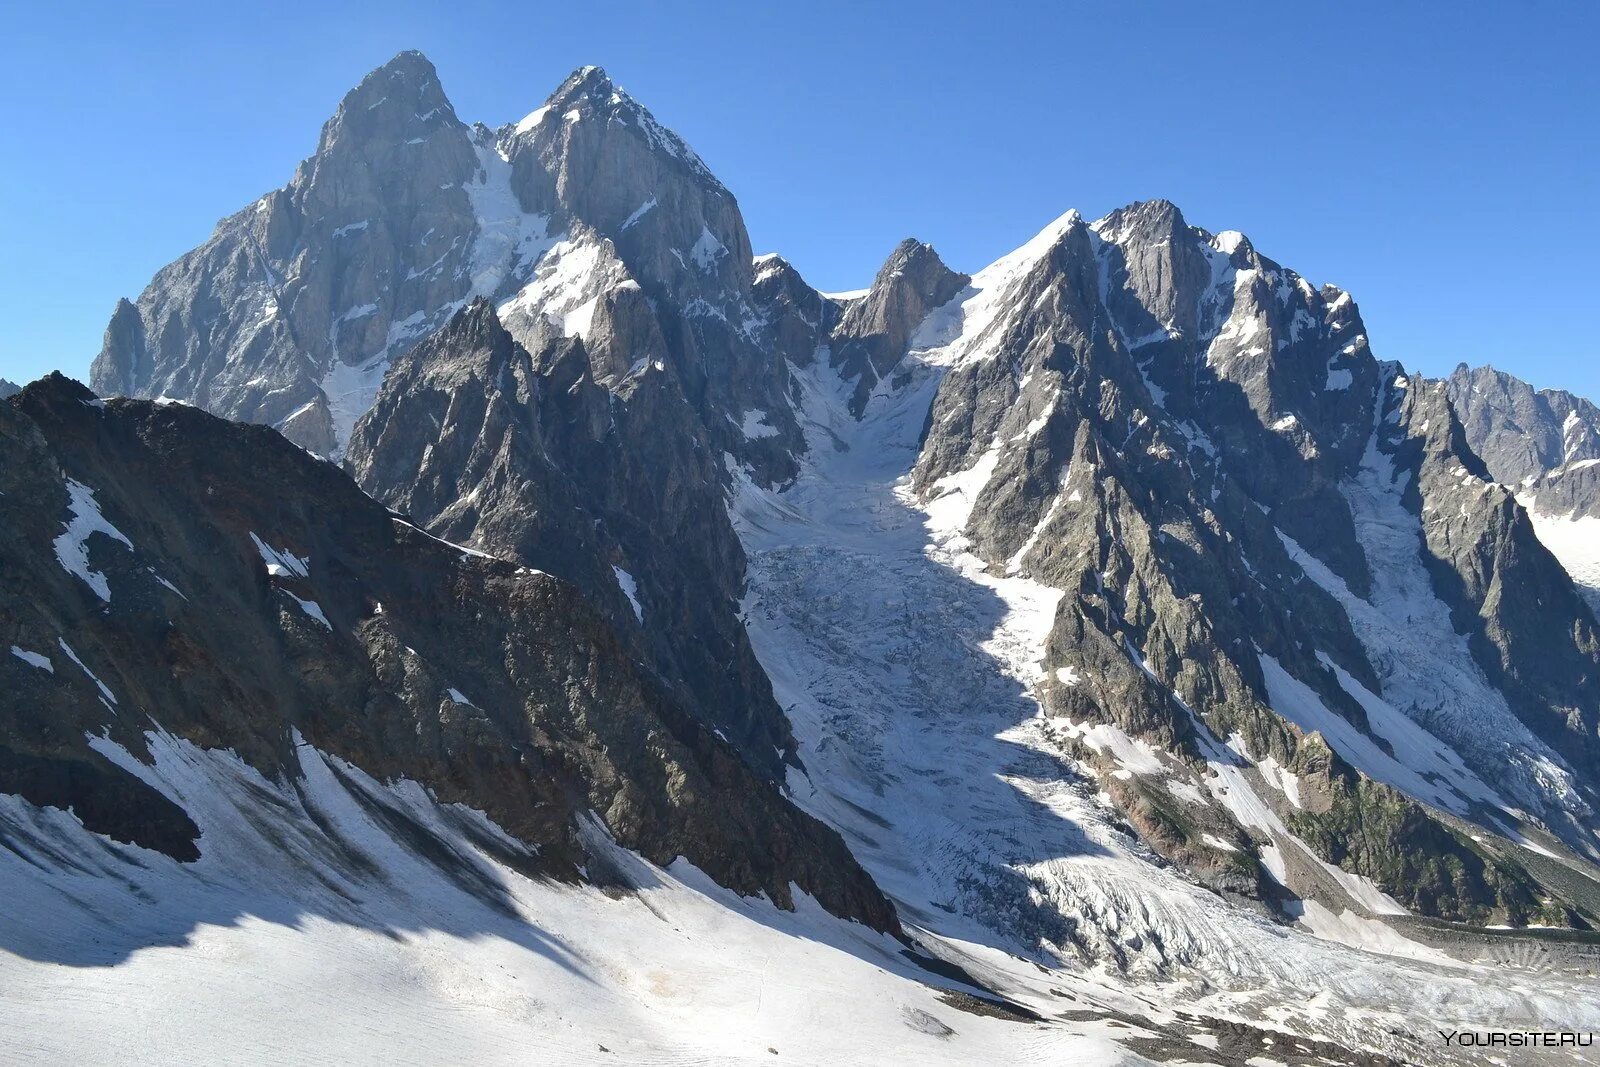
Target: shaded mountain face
pixel 612 486
pixel 600 241
pixel 175 583
pixel 1544 444
pixel 8 389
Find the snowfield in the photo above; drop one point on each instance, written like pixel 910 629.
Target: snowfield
pixel 308 932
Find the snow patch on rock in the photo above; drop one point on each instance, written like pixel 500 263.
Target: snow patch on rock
pixel 72 550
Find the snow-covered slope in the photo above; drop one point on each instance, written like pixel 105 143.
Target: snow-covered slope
pixel 311 931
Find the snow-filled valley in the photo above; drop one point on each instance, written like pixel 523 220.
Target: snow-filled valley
pixel 907 672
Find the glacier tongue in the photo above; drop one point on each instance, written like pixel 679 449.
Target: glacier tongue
pixel 907 673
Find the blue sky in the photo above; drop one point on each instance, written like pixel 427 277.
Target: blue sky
pixel 1438 160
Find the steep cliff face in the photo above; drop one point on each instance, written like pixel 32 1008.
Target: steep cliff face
pixel 611 486
pixel 872 332
pixel 174 580
pixel 1522 433
pixel 587 218
pixel 603 245
pixel 289 313
pixel 1188 438
pixel 1243 512
pixel 1543 444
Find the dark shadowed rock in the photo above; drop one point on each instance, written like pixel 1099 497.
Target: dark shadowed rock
pixel 225 588
pixel 612 487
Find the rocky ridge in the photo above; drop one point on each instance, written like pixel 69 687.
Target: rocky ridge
pixel 172 579
pixel 1198 449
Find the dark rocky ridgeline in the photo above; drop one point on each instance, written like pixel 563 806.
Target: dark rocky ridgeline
pixel 797 321
pixel 1180 432
pixel 601 166
pixel 1534 637
pixel 8 388
pixel 612 487
pixel 128 535
pixel 1544 443
pixel 1157 404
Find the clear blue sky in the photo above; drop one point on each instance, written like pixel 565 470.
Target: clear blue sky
pixel 1438 160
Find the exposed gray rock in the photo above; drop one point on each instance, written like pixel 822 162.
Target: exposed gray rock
pixel 797 319
pixel 1544 443
pixel 8 388
pixel 1150 405
pixel 289 313
pixel 1535 638
pixel 292 311
pixel 873 332
pixel 1520 432
pixel 611 253
pixel 1192 443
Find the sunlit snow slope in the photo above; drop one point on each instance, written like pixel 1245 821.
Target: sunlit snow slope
pixel 310 931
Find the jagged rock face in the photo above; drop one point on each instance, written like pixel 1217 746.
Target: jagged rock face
pixel 1268 367
pixel 596 155
pixel 8 388
pixel 592 156
pixel 1534 636
pixel 286 315
pixel 1544 444
pixel 168 573
pixel 872 333
pixel 797 321
pixel 612 487
pixel 1519 432
pixel 587 221
pixel 1275 560
pixel 587 218
pixel 1118 423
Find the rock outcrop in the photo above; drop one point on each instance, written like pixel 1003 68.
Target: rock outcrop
pixel 611 486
